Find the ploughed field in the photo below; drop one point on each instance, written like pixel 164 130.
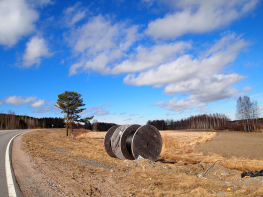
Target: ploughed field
pixel 235 144
pixel 79 165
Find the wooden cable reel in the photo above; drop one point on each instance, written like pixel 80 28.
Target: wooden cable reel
pixel 132 141
pixel 147 143
pixel 118 141
pixel 107 140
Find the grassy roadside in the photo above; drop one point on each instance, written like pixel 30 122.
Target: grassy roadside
pixel 79 166
pixel 175 150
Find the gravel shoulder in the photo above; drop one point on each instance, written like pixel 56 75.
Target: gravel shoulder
pixel 29 176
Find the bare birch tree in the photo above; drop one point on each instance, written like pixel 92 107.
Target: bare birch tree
pixel 248 112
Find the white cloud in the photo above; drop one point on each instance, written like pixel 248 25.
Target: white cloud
pixel 94 36
pixel 35 50
pixel 181 105
pixel 185 67
pixel 247 89
pixel 204 110
pixel 74 14
pixel 38 103
pixel 150 2
pixel 104 48
pixel 98 111
pixel 198 16
pixel 207 88
pixel 39 3
pixel 77 17
pixel 146 58
pixel 203 91
pixel 99 42
pixel 158 103
pixel 128 119
pixel 16 20
pixel 46 109
pixel 249 5
pixel 195 76
pixel 18 100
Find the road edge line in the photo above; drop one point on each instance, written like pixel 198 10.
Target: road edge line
pixel 8 167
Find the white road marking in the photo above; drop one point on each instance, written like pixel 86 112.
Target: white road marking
pixel 9 178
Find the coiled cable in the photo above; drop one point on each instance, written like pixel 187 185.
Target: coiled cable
pixel 129 142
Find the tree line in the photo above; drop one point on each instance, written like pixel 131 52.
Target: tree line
pixel 204 121
pixel 13 121
pixel 95 126
pixel 247 114
pixel 102 126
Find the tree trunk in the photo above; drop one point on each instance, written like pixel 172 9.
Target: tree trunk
pixel 67 123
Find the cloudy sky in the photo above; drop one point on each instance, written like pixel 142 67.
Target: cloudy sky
pixel 131 60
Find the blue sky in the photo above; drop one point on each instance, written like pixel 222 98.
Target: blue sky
pixel 131 61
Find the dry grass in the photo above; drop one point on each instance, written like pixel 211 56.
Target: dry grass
pixel 81 164
pixel 180 146
pixel 79 132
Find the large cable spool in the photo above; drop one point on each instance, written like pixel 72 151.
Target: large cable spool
pixel 133 141
pixel 118 141
pixel 147 143
pixel 107 140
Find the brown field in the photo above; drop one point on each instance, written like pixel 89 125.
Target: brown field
pixel 79 166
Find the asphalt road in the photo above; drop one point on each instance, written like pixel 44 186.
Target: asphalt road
pixel 5 136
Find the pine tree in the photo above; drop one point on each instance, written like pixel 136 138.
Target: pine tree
pixel 70 103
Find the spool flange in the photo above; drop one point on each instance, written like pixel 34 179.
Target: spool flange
pixel 107 140
pixel 147 143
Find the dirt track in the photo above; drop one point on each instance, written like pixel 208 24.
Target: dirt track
pixel 234 144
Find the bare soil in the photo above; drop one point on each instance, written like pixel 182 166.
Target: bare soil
pixel 56 165
pixel 235 144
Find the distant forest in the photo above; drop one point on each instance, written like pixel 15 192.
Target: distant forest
pixel 204 121
pixel 102 126
pixel 12 121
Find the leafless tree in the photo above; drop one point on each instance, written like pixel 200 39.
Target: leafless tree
pixel 95 125
pixel 248 112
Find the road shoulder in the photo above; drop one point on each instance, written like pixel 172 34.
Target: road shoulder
pixel 29 178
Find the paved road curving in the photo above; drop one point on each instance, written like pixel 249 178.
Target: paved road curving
pixel 5 137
